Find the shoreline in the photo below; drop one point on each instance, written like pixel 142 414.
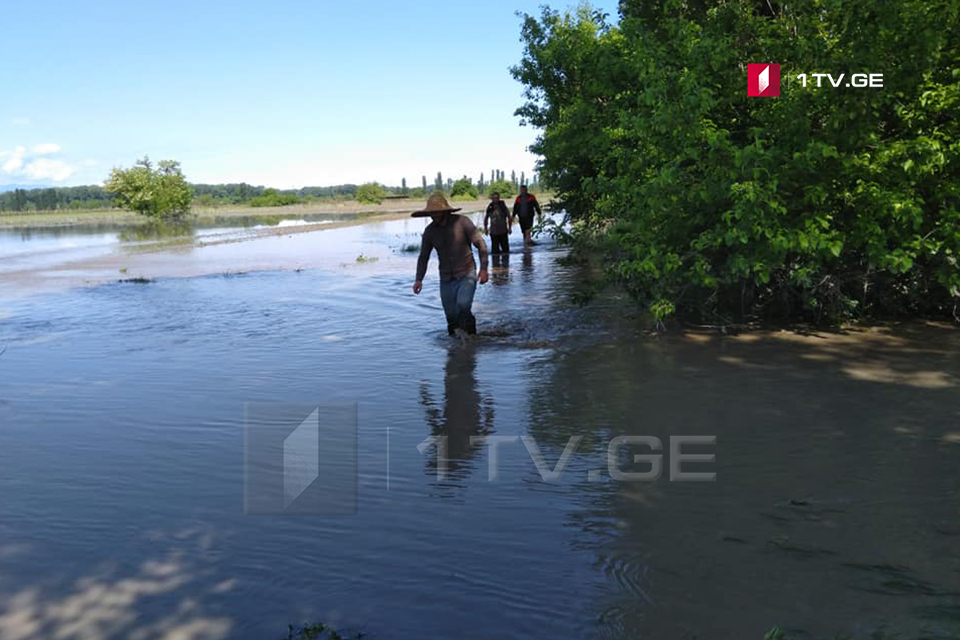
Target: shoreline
pixel 118 217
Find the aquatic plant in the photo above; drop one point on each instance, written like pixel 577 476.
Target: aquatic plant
pixel 318 631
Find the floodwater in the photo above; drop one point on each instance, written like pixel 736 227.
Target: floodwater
pixel 30 249
pixel 835 511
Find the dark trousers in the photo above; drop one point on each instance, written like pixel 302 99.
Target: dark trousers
pixel 500 243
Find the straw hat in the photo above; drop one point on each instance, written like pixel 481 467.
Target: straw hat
pixel 435 204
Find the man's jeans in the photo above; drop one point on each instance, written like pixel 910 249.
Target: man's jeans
pixel 457 298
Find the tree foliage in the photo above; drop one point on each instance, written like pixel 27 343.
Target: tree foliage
pixel 371 192
pixel 818 204
pixel 505 188
pixel 274 198
pixel 464 189
pixel 158 192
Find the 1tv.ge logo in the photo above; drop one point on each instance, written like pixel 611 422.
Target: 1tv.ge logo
pixel 763 80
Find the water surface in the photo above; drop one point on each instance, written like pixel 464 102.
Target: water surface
pixel 835 511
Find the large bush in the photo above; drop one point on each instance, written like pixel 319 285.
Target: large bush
pixel 158 192
pixel 464 189
pixel 818 204
pixel 505 188
pixel 371 193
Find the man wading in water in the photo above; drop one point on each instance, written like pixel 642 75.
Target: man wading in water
pixel 498 223
pixel 452 236
pixel 523 208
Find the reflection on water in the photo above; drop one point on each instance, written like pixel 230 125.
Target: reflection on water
pixel 500 269
pixel 157 230
pixel 834 513
pixel 465 414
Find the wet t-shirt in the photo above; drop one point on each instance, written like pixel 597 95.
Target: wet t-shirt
pixel 453 238
pixel 499 215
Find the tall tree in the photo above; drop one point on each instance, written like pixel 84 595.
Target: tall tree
pixel 819 204
pixel 403 186
pixel 424 184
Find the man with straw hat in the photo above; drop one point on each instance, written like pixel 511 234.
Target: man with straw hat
pixel 451 236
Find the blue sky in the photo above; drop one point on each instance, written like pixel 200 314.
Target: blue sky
pixel 284 94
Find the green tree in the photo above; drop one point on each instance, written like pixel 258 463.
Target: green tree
pixel 403 186
pixel 438 183
pixel 819 204
pixel 156 192
pixel 463 189
pixel 424 184
pixel 371 192
pixel 505 188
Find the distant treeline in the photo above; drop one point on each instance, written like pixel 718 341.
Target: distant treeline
pixel 95 197
pixel 211 195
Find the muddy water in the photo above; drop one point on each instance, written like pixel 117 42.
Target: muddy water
pixel 834 513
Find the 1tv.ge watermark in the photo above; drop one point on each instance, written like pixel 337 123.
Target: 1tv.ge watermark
pixel 763 80
pixel 614 459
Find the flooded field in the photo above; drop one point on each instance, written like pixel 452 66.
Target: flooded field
pixel 835 512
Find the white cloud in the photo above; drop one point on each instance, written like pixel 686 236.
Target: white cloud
pixel 44 169
pixel 19 164
pixel 12 160
pixel 20 122
pixel 46 148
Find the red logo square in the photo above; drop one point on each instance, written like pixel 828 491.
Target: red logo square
pixel 763 80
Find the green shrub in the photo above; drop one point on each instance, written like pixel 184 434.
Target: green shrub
pixel 273 198
pixel 156 192
pixel 371 193
pixel 464 189
pixel 505 188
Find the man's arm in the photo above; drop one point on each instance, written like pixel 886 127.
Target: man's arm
pixel 486 219
pixel 426 246
pixel 536 206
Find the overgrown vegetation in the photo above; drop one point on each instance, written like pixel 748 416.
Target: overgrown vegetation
pixel 505 188
pixel 157 192
pixel 821 204
pixel 273 198
pixel 371 192
pixel 464 189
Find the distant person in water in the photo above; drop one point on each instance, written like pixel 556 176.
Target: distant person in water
pixel 452 236
pixel 523 209
pixel 498 223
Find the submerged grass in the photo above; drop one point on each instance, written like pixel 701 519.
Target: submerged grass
pixel 318 631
